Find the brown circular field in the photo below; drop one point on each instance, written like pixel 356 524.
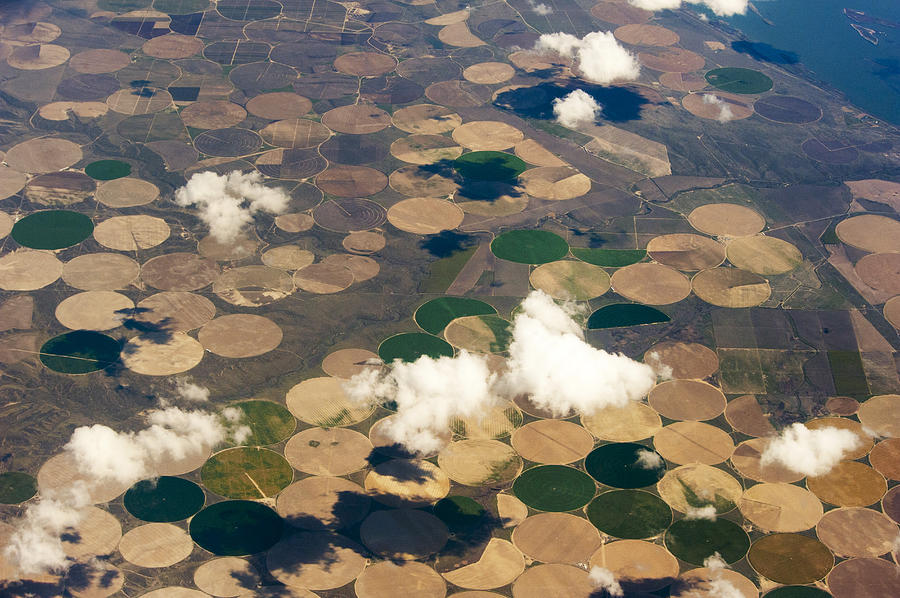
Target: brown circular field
pixel 693 442
pixel 489 73
pixel 47 154
pixel 179 272
pixel 235 249
pixel 449 18
pixel 570 280
pixel 100 272
pixel 418 181
pixel 790 558
pixel 511 510
pixel 731 287
pixel 28 270
pixel 364 242
pixel 403 534
pixel 97 533
pixel 842 406
pixel 175 310
pixel 346 363
pixel 60 472
pixel 885 458
pixel 637 565
pixel 686 360
pixel 869 232
pixel 652 284
pixel 849 484
pixel 278 105
pixel 297 560
pixel 323 278
pixel 534 153
pixel 60 188
pixel 351 181
pixel 764 255
pixel 253 286
pixel 425 215
pixel 707 583
pixel 458 34
pixel 295 133
pixel 94 62
pixel 388 579
pixel 684 486
pixel 425 149
pixel 745 415
pixel 501 199
pixel 94 310
pixel 487 135
pixel 726 220
pixel 323 503
pixel 328 451
pixel 554 182
pixel 635 421
pixel 866 442
pixel 11 182
pixel 500 564
pixel 407 483
pixel 156 545
pixel 356 119
pixel 881 414
pixel 552 441
pixel 864 578
pixel 712 106
pixel 672 60
pixel 37 57
pixel 213 114
pixel 96 579
pixel 557 538
pixel 133 102
pixel 228 576
pixel 857 532
pixel 480 462
pixel 620 13
pixel 426 119
pixel 323 402
pixel 638 34
pixel 131 233
pixel 172 46
pixel 690 400
pixel 155 355
pixel 747 457
pixel 347 215
pixel 363 268
pixel 240 335
pixel 475 334
pixel 684 82
pixel 686 251
pixel 780 507
pixel 294 223
pixel 365 64
pixel 287 257
pixel 551 581
pixel 458 94
pixel 60 111
pixel 126 193
pixel 880 271
pixel 497 422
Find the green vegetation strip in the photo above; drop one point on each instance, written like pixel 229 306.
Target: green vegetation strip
pixel 738 80
pixel 164 499
pixel 16 487
pixel 247 472
pixel 490 166
pixel 236 528
pixel 554 488
pixel 609 258
pixel 459 513
pixel 80 352
pixel 625 314
pixel 529 246
pixel 695 540
pixel 848 373
pixel 625 465
pixel 442 272
pixel 269 422
pixel 433 316
pixel 629 514
pixel 409 346
pixel 107 170
pixel 52 229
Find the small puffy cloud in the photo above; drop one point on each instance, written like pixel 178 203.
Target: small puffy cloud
pixel 718 586
pixel 722 8
pixel 656 4
pixel 605 580
pixel 649 459
pixel 576 108
pixel 540 8
pixel 809 452
pixel 598 56
pixel 708 513
pixel 725 113
pixel 189 391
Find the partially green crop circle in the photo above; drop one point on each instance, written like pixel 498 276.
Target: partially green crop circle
pixel 609 258
pixel 695 540
pixel 80 352
pixel 52 229
pixel 236 528
pixel 269 422
pixel 629 514
pixel 247 472
pixel 530 246
pixel 738 80
pixel 625 314
pixel 459 513
pixel 490 166
pixel 434 315
pixel 625 465
pixel 16 487
pixel 554 488
pixel 107 170
pixel 409 346
pixel 164 499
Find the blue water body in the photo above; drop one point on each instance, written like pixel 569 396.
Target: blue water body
pixel 819 35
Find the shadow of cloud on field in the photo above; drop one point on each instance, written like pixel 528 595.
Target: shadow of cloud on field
pixel 447 243
pixel 765 52
pixel 619 104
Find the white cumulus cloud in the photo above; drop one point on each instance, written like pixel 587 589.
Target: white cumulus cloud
pixel 540 8
pixel 718 586
pixel 708 513
pixel 598 56
pixel 605 580
pixel 809 452
pixel 576 108
pixel 725 113
pixel 649 459
pixel 723 8
pixel 190 391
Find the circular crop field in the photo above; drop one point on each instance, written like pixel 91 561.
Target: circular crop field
pixel 409 346
pixel 269 422
pixel 554 488
pixel 738 80
pixel 695 540
pixel 107 170
pixel 247 473
pixel 489 166
pixel 236 528
pixel 479 334
pixel 434 315
pixel 16 487
pixel 629 514
pixel 529 246
pixel 164 499
pixel 625 465
pixel 52 229
pixel 625 314
pixel 790 558
pixel 80 352
pixel 797 592
pixel 787 109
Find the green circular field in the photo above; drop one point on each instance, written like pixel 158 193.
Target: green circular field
pixel 16 487
pixel 246 472
pixel 269 422
pixel 459 513
pixel 52 229
pixel 695 540
pixel 625 314
pixel 409 346
pixel 164 499
pixel 107 170
pixel 620 465
pixel 530 246
pixel 554 488
pixel 629 514
pixel 80 352
pixel 490 166
pixel 236 528
pixel 180 7
pixel 433 316
pixel 797 592
pixel 738 80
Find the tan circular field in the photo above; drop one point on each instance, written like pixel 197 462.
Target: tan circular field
pixel 287 257
pixel 323 278
pixel 726 220
pixel 295 133
pixel 28 270
pixel 94 62
pixel 97 579
pixel 37 57
pixel 497 422
pixel 731 287
pixel 362 267
pixel 384 443
pixel 745 415
pixel 487 135
pixel 425 149
pixel 480 462
pixel 351 181
pixel 403 534
pixel 162 355
pixel 880 271
pixel 864 578
pixel 323 503
pixel 842 406
pixel 686 251
pixel 323 402
pixel 885 458
pixel 416 181
pixel 126 193
pixel 552 581
pixel 60 472
pixel 881 414
pixel 6 223
pixel 557 538
pixel 100 272
pixel 458 34
pixel 552 441
pixel 849 484
pixel 764 255
pixel 694 485
pixel 719 106
pixel 426 119
pixel 365 64
pixel 131 233
pixel 278 105
pixel 476 334
pixel 240 335
pixel 857 532
pixel 11 182
pixel 46 154
pixel 356 119
pixel 892 311
pixel 691 400
pixel 652 284
pixel 503 200
pixel 779 507
pixel 747 460
pixel 294 223
pixel 156 545
pixel 534 153
pixel 236 249
pixel 637 565
pixel 133 102
pixel 500 564
pixel 693 442
pixel 97 533
pixel 489 73
pixel 448 18
pixel 425 215
pixel 94 310
pixel 364 242
pixel 388 580
pixel 297 562
pixel 620 13
pixel 227 576
pixel 407 483
pixel 866 442
pixel 60 111
pixel 707 583
pixel 869 232
pixel 172 46
pixel 253 286
pixel 554 182
pixel 672 60
pixel 570 280
pixel 684 82
pixel 646 35
pixel 175 592
pixel 213 114
pixel 511 510
pixel 328 451
pixel 346 363
pixel 179 272
pixel 686 360
pixel 635 421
